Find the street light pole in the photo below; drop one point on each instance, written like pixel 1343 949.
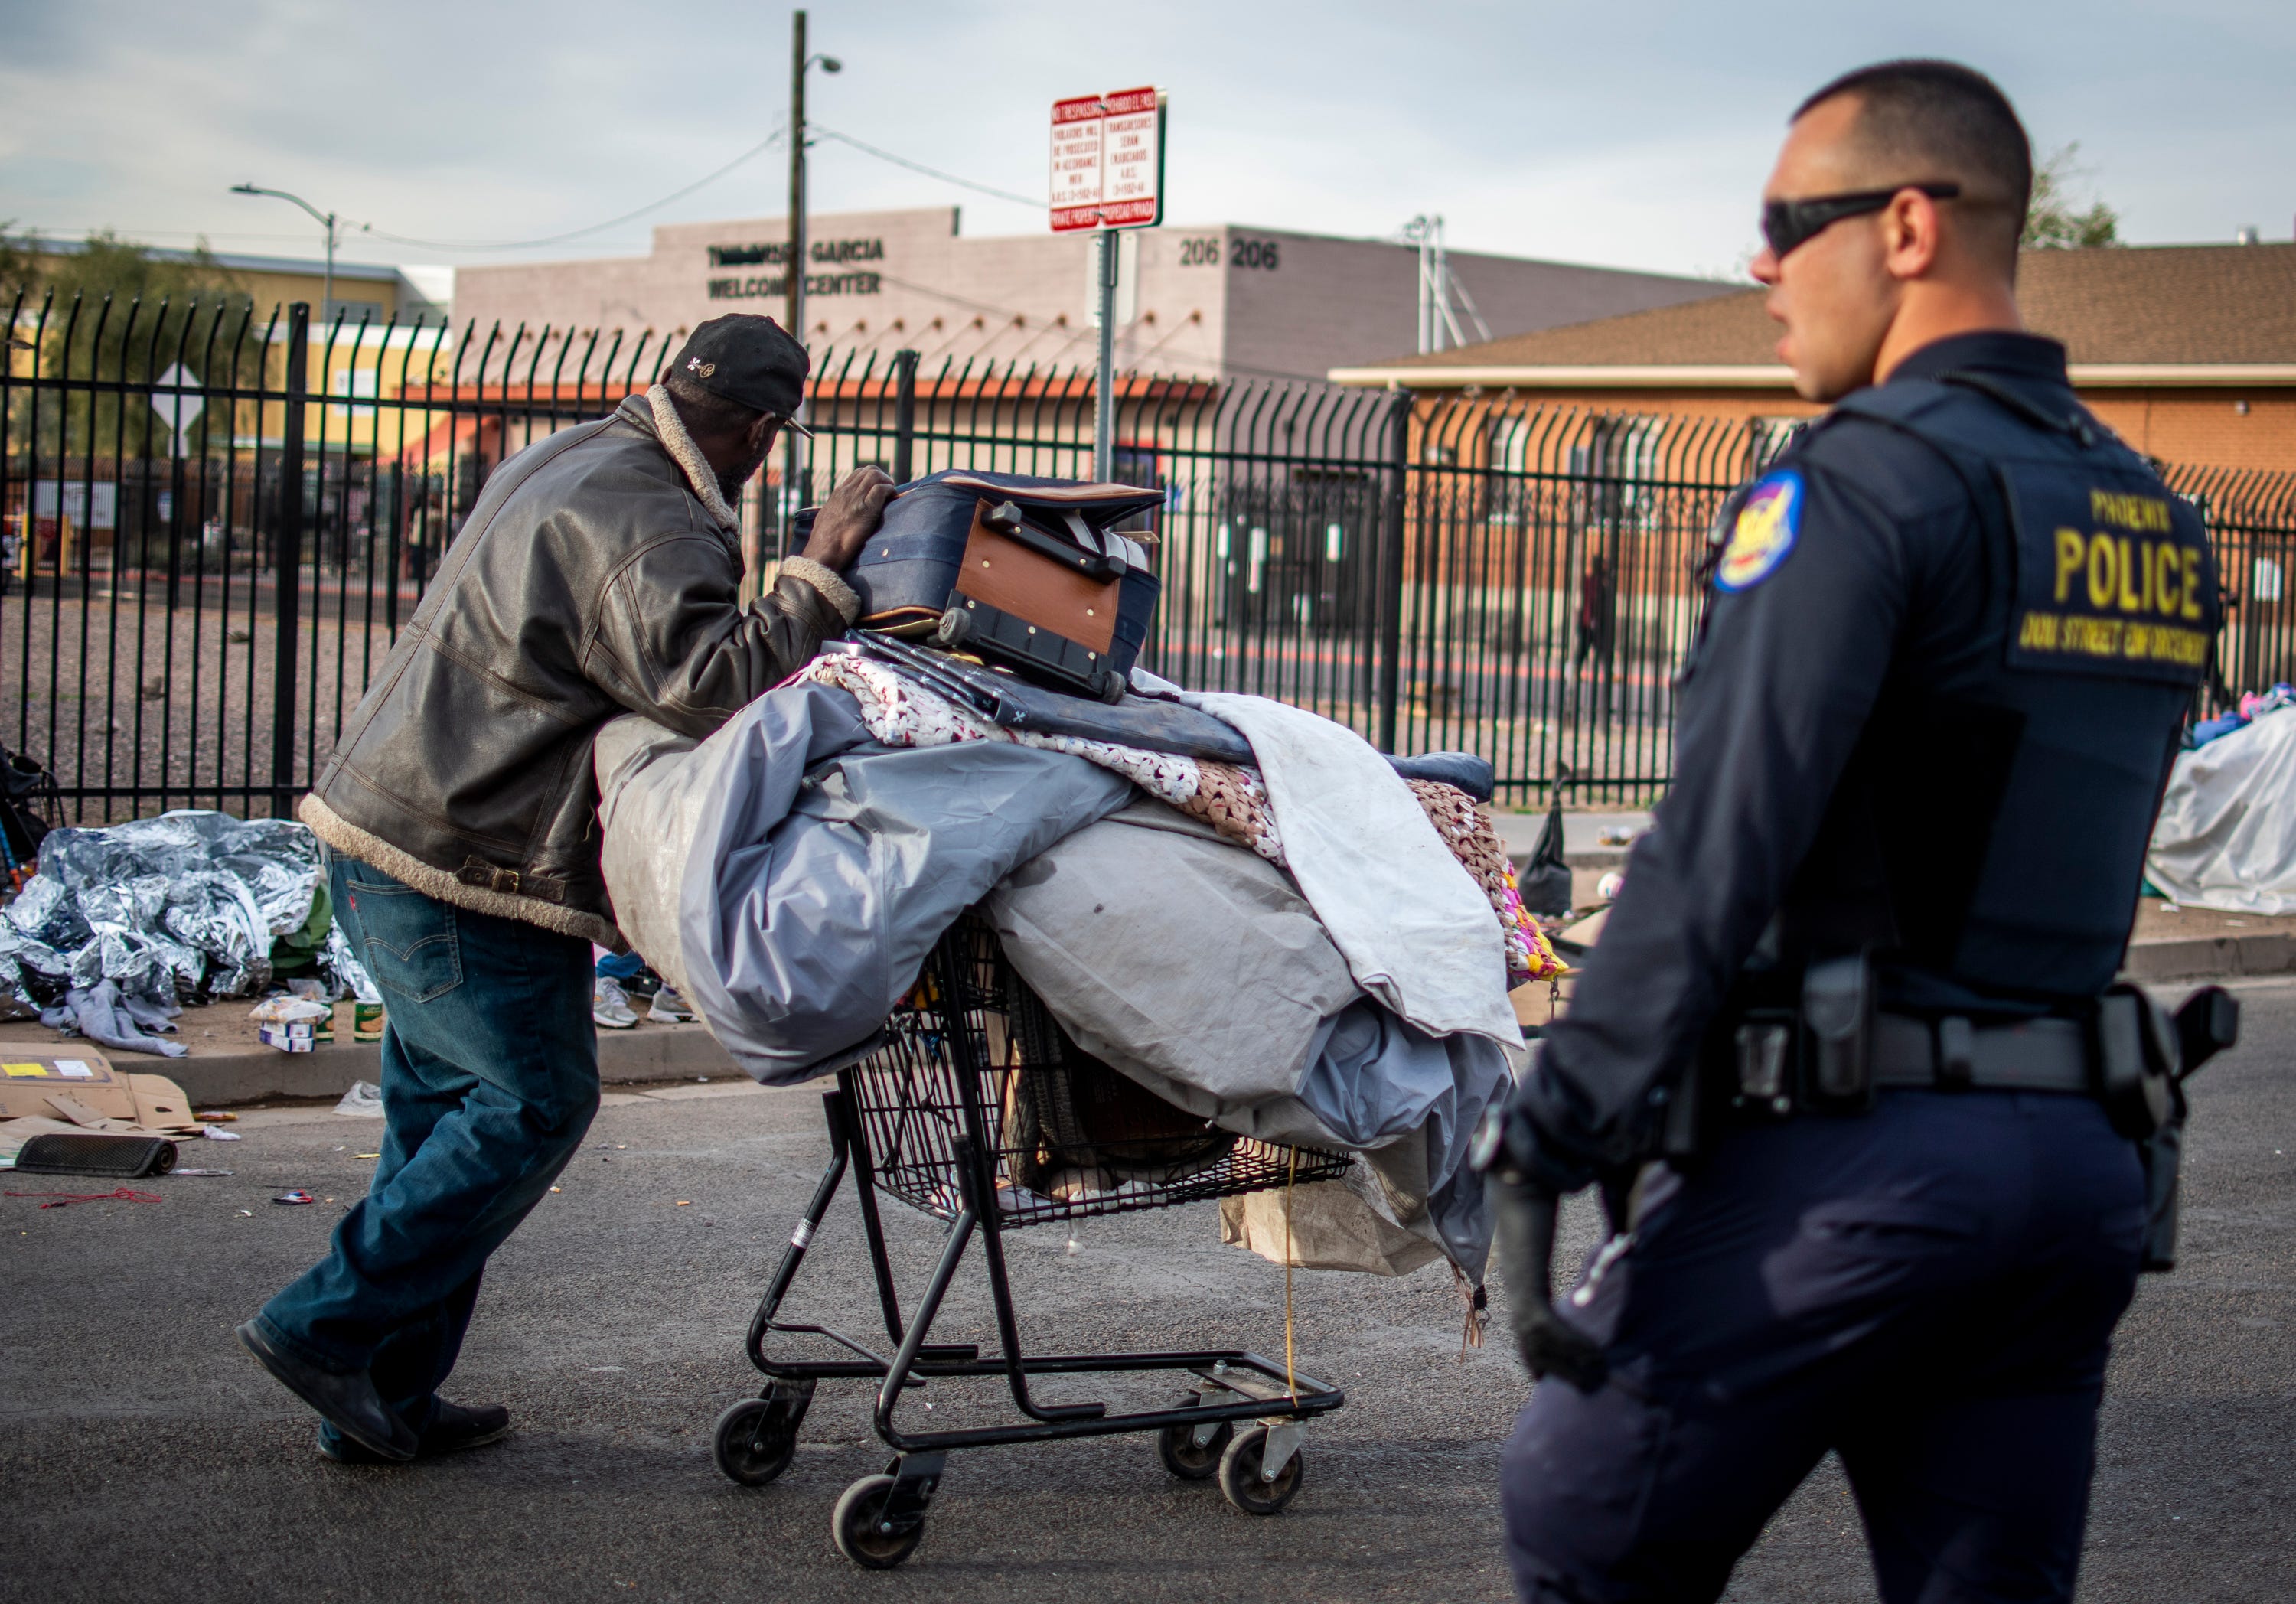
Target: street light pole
pixel 325 219
pixel 793 265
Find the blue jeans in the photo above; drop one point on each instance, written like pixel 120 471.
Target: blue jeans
pixel 489 1079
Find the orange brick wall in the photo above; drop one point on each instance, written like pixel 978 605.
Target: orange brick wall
pixel 2204 428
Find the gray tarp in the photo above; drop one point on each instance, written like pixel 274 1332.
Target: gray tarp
pixel 818 867
pixel 2226 834
pixel 1198 970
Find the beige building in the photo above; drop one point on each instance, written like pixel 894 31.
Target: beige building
pixel 1218 301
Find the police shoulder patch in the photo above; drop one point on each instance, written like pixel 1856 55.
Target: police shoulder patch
pixel 1768 521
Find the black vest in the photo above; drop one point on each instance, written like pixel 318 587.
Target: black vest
pixel 1986 841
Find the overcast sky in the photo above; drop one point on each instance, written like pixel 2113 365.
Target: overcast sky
pixel 1633 134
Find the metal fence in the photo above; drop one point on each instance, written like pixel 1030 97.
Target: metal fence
pixel 216 523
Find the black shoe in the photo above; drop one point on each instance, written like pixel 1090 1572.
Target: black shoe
pixel 453 1428
pixel 348 1400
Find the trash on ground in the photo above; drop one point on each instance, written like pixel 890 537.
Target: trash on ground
pixel 218 1116
pixel 126 1194
pixel 296 1196
pixel 64 1151
pixel 366 1155
pixel 199 1172
pixel 104 1013
pixel 293 1023
pixel 363 1100
pixel 217 1133
pixel 31 1080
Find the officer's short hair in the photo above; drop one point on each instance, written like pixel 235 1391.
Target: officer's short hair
pixel 706 412
pixel 1943 120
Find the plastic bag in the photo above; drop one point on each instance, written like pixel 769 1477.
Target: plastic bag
pixel 1545 882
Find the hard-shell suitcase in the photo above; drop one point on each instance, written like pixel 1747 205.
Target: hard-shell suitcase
pixel 1025 571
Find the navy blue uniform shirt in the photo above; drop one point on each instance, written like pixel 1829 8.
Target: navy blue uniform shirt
pixel 1859 762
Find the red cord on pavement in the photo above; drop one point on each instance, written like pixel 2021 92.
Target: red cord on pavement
pixel 126 1194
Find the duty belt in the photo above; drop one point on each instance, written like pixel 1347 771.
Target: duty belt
pixel 1954 1054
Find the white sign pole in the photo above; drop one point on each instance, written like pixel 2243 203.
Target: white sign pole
pixel 1104 390
pixel 1107 175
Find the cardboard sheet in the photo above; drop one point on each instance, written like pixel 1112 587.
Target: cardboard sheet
pixel 74 1083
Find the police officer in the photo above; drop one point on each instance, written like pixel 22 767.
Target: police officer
pixel 1836 1062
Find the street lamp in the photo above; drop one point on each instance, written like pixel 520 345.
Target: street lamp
pixel 326 219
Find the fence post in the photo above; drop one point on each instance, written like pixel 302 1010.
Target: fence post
pixel 1390 569
pixel 287 564
pixel 905 414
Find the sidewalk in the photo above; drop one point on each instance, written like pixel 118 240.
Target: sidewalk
pixel 227 1065
pixel 2168 944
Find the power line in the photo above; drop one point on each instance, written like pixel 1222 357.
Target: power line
pixel 763 146
pixel 919 166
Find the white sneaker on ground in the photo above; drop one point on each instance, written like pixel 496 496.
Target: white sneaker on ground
pixel 609 1005
pixel 669 1007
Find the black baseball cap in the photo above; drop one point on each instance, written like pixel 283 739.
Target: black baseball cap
pixel 749 360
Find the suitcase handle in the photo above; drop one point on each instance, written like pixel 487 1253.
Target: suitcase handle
pixel 1007 520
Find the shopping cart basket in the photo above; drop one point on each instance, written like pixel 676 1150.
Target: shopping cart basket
pixel 977 1109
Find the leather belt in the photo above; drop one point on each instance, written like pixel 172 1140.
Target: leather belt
pixel 1952 1053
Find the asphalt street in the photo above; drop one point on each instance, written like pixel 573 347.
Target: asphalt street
pixel 145 1458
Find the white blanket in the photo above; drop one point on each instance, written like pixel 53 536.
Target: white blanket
pixel 2226 834
pixel 1415 929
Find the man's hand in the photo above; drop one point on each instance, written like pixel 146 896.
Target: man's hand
pixel 850 516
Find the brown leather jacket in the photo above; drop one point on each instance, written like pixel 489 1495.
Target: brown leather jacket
pixel 596 576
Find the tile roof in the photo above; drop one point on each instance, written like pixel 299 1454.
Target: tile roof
pixel 2154 304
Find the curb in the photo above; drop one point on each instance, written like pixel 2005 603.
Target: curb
pixel 651 1053
pixel 2212 957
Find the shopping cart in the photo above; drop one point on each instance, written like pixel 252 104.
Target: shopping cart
pixel 977 1109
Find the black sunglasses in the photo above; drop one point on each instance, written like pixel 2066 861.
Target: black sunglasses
pixel 1789 224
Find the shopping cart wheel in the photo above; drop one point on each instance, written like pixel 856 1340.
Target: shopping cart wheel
pixel 1187 1458
pixel 857 1528
pixel 756 1439
pixel 1241 1482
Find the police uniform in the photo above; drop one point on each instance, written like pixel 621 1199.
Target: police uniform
pixel 1951 641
